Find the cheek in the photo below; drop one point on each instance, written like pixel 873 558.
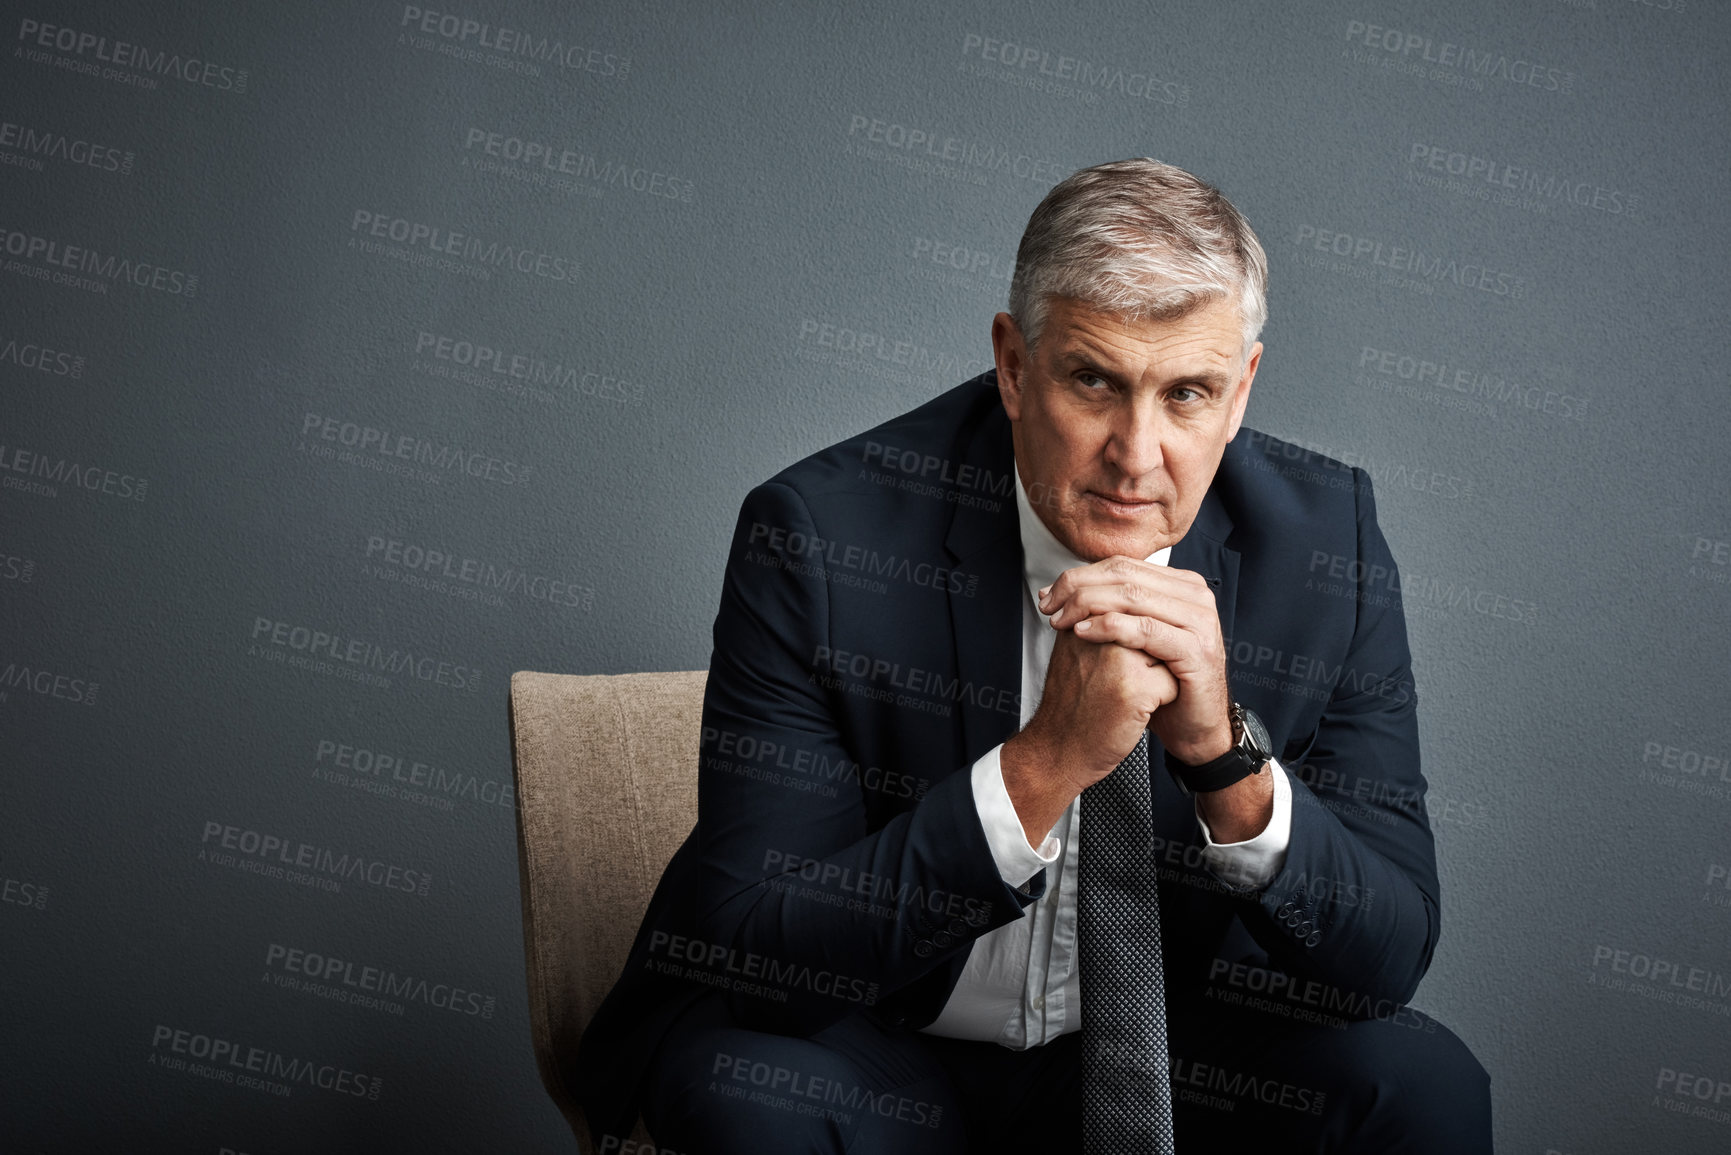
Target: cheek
pixel 1060 446
pixel 1193 466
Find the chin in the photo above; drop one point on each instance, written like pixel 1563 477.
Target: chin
pixel 1101 542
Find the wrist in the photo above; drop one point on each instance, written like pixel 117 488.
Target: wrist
pixel 1205 748
pixel 1240 811
pixel 1029 767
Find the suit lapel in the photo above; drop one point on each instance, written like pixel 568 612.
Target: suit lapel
pixel 1204 550
pixel 986 615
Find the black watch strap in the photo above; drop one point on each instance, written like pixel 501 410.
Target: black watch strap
pixel 1232 766
pixel 1248 755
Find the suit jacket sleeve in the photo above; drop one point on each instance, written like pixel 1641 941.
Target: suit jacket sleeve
pixel 816 898
pixel 1356 905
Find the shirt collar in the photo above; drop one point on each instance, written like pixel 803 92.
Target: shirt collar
pixel 1044 557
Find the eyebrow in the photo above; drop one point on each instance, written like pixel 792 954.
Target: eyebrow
pixel 1085 354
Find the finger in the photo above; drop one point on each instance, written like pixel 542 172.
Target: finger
pixel 1154 682
pixel 1187 608
pixel 1122 572
pixel 1180 649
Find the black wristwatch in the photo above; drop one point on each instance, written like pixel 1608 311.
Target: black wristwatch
pixel 1250 749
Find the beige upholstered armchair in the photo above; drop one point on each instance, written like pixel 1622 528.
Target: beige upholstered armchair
pixel 606 772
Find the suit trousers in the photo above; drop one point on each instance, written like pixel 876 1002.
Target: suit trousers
pixel 1250 1079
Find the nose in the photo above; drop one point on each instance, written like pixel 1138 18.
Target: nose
pixel 1135 446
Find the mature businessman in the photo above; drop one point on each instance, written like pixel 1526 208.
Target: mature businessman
pixel 1059 780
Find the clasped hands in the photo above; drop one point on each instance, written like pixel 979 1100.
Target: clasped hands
pixel 1138 647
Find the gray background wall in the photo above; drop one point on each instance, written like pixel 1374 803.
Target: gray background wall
pixel 198 318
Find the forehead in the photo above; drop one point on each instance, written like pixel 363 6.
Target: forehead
pixel 1211 335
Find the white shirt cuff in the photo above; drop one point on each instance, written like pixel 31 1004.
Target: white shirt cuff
pixel 1017 861
pixel 1254 862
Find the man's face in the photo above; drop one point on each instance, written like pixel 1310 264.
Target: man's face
pixel 1119 426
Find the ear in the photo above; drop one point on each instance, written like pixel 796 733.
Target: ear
pixel 1010 353
pixel 1241 399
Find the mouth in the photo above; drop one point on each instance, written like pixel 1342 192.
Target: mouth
pixel 1120 507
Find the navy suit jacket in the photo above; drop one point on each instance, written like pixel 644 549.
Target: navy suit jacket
pixel 868 650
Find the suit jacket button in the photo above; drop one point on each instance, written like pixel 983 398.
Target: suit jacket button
pixel 923 948
pixel 1303 929
pixel 1285 910
pixel 1314 937
pixel 958 927
pixel 944 939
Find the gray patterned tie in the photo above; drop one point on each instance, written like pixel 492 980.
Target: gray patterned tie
pixel 1127 1088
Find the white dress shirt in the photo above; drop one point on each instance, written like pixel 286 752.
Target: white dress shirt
pixel 1022 985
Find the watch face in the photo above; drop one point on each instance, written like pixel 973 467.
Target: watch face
pixel 1257 733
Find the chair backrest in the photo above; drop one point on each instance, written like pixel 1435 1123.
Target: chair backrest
pixel 606 769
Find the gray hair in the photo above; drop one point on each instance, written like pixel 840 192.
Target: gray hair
pixel 1140 239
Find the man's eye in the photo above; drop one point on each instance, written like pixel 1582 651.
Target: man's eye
pixel 1184 394
pixel 1090 380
